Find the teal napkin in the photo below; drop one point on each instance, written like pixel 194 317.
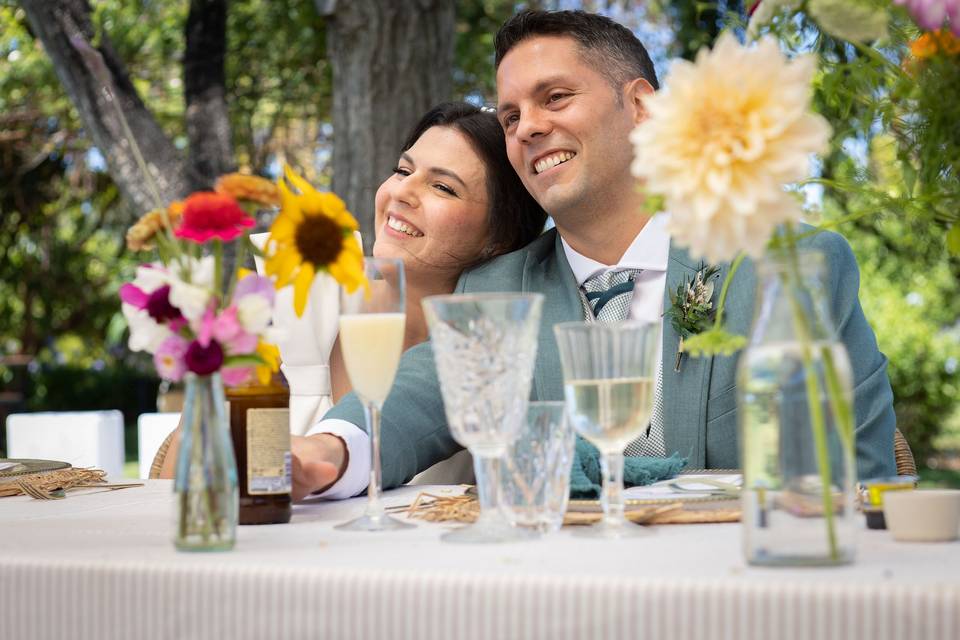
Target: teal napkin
pixel 585 477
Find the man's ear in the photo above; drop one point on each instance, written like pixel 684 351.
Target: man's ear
pixel 634 94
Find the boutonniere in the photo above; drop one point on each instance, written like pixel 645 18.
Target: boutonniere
pixel 691 307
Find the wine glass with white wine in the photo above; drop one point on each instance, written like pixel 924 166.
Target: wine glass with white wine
pixel 372 321
pixel 608 379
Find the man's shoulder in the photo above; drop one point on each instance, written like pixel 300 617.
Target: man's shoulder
pixel 505 272
pixel 834 247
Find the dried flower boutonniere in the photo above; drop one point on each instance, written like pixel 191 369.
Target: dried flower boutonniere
pixel 691 307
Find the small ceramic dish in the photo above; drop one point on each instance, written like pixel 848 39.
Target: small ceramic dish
pixel 923 515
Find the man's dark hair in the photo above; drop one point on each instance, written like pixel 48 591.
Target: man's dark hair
pixel 605 45
pixel 515 218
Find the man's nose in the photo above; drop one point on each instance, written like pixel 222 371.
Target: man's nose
pixel 533 124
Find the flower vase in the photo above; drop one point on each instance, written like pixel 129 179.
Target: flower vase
pixel 206 480
pixel 795 399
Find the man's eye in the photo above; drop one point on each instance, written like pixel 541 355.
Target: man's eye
pixel 510 120
pixel 555 97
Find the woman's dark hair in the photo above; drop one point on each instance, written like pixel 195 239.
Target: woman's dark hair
pixel 515 218
pixel 607 46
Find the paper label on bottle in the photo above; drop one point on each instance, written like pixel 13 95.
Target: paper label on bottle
pixel 268 451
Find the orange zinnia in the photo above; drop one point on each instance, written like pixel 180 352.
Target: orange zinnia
pixel 252 188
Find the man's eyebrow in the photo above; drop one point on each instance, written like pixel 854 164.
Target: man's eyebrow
pixel 436 170
pixel 540 87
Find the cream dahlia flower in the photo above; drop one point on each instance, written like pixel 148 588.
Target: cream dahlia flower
pixel 722 140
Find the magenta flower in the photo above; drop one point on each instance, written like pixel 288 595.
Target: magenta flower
pixel 930 14
pixel 169 358
pixel 204 360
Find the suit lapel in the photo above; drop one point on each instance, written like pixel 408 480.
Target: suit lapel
pixel 550 274
pixel 685 391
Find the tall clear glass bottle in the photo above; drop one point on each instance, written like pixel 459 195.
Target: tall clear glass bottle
pixel 795 409
pixel 206 480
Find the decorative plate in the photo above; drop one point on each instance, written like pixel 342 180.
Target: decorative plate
pixel 11 468
pixel 684 489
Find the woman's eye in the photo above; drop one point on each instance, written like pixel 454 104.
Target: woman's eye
pixel 442 187
pixel 403 171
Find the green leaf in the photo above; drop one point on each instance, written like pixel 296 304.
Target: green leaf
pixel 250 360
pixel 953 240
pixel 714 342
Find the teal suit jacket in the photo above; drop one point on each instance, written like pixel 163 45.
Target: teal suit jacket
pixel 699 400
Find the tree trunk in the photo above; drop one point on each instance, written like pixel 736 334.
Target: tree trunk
pixel 204 82
pixel 391 62
pixel 98 85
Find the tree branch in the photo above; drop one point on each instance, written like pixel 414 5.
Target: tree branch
pixel 65 29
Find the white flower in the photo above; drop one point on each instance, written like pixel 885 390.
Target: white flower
pixel 254 313
pixel 193 297
pixel 722 140
pixel 145 333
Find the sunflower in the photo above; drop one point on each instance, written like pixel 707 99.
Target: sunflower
pixel 313 232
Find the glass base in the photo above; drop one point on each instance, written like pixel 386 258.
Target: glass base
pixel 382 522
pixel 201 545
pixel 489 532
pixel 613 530
pixel 762 559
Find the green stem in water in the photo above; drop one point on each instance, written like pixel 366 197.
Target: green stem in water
pixel 817 418
pixel 217 264
pixel 718 322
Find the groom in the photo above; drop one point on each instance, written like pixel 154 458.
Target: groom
pixel 571 86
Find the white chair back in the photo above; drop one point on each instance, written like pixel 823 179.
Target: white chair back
pixel 82 438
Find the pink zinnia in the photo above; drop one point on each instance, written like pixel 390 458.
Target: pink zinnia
pixel 930 14
pixel 235 376
pixel 208 215
pixel 169 358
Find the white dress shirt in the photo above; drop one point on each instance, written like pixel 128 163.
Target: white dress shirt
pixel 649 251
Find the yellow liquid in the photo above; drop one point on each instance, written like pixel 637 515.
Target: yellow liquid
pixel 610 413
pixel 371 345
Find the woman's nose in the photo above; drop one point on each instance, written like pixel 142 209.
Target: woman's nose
pixel 407 191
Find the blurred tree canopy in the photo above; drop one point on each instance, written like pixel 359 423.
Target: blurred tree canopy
pixel 62 216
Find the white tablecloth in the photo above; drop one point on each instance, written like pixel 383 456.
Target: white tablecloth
pixel 102 565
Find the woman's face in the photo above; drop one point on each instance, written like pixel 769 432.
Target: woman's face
pixel 432 212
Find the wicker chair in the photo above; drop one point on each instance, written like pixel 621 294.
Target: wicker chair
pixel 162 454
pixel 906 466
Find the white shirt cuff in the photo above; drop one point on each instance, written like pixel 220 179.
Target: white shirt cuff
pixel 356 477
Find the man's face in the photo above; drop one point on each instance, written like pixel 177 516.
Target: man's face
pixel 566 131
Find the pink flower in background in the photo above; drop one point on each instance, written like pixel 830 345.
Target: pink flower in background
pixel 226 329
pixel 236 376
pixel 169 358
pixel 930 14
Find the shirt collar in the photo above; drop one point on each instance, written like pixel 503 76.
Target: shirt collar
pixel 649 251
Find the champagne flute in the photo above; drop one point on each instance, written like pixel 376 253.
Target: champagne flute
pixel 485 346
pixel 609 371
pixel 372 321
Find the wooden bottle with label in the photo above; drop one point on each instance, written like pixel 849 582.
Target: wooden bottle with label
pixel 260 428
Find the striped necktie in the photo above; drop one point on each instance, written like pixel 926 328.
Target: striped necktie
pixel 606 297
